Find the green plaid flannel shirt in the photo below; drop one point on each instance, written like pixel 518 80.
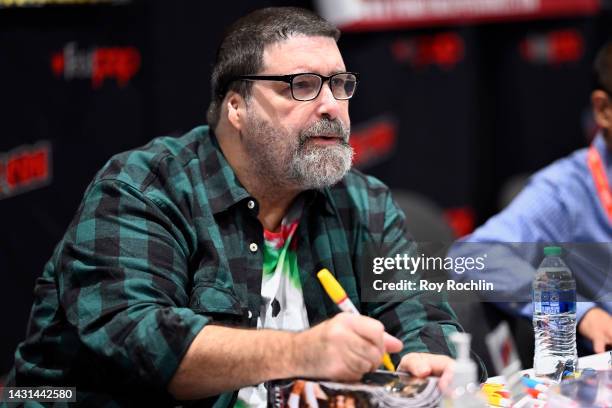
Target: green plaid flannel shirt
pixel 160 247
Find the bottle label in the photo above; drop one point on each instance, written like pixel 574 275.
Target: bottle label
pixel 554 302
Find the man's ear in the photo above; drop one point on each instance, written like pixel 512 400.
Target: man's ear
pixel 236 110
pixel 602 109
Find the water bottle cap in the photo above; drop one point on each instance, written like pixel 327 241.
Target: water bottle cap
pixel 552 251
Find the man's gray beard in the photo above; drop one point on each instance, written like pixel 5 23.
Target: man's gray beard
pixel 307 166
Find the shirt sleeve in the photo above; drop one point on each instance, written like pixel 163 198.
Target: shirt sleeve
pixel 513 242
pixel 123 274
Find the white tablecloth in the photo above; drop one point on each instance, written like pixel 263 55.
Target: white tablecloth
pixel 595 361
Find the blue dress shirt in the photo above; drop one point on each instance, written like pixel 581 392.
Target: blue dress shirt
pixel 559 205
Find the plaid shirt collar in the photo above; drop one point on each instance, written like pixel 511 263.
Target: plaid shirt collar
pixel 225 190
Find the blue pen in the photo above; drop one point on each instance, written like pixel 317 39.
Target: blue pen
pixel 531 383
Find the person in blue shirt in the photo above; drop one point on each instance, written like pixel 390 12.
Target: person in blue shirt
pixel 567 202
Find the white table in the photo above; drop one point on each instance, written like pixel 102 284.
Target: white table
pixel 594 361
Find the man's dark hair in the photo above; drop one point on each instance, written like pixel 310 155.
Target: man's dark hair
pixel 242 46
pixel 603 68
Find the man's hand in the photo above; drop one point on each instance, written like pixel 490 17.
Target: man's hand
pixel 222 359
pixel 426 364
pixel 596 325
pixel 342 348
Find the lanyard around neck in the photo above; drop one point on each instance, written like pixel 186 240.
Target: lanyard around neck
pixel 600 178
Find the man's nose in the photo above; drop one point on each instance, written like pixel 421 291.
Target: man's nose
pixel 327 104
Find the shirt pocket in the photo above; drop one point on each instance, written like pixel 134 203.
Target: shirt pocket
pixel 217 302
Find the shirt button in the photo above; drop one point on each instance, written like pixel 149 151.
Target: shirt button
pixel 253 247
pixel 251 204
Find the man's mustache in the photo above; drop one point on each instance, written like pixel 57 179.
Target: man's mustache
pixel 326 127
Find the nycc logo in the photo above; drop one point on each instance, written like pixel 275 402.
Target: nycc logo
pixel 553 48
pixel 444 50
pixel 96 64
pixel 25 168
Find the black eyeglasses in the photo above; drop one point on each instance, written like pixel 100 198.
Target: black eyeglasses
pixel 307 86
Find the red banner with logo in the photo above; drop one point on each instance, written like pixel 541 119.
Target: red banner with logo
pixel 364 15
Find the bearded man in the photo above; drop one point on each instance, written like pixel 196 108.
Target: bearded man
pixel 189 270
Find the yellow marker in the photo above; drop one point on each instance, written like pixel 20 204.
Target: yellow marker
pixel 499 401
pixel 340 298
pixel 491 387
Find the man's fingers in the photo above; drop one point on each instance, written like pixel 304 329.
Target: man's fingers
pixel 373 331
pixel 599 345
pixel 609 334
pixel 367 352
pixel 602 340
pixel 413 363
pixel 369 329
pixel 424 364
pixel 596 325
pixel 438 363
pixel 392 344
pixel 359 362
pixel 447 377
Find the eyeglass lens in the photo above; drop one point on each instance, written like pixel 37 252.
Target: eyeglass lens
pixel 307 86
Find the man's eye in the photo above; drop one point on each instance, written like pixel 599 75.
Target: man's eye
pixel 302 85
pixel 338 82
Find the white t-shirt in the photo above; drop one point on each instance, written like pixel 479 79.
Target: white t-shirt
pixel 282 305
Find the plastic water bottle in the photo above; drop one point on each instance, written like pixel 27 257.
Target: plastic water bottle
pixel 554 315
